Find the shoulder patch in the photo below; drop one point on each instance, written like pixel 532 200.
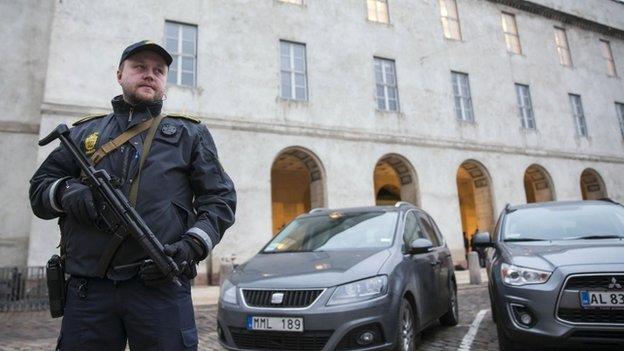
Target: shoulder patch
pixel 88 118
pixel 183 116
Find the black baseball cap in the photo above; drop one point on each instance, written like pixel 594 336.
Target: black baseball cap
pixel 146 45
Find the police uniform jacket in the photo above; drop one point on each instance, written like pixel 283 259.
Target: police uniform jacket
pixel 183 188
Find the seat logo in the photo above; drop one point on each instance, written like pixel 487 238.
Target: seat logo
pixel 277 298
pixel 614 284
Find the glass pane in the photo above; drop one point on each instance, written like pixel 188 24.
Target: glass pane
pixel 171 45
pixel 172 76
pixel 174 63
pixel 299 80
pixel 299 66
pixel 443 8
pixel 298 51
pixel 286 92
pixel 286 80
pixel 452 9
pixel 285 49
pixel 392 105
pixel 188 64
pixel 188 47
pixel 171 29
pixel 391 93
pixel 188 79
pixel 458 107
pixel 382 12
pixel 380 91
pixel 188 33
pixel 300 93
pixel 378 74
pixel 446 28
pixel 381 104
pixel 285 63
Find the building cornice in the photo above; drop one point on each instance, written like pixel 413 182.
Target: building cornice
pixel 359 135
pixel 19 127
pixel 564 17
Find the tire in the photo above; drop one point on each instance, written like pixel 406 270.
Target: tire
pixel 407 337
pixel 451 317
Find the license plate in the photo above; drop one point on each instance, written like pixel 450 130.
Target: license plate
pixel 292 324
pixel 612 299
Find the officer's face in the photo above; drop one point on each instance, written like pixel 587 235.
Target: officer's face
pixel 142 77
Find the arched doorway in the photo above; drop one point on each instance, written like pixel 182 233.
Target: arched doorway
pixel 538 185
pixel 394 180
pixel 297 185
pixel 475 200
pixel 592 186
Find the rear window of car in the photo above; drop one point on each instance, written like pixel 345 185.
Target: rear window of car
pixel 565 222
pixel 336 231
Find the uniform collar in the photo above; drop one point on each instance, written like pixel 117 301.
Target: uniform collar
pixel 140 112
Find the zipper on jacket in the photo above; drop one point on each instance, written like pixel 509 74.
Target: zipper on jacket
pixel 130 114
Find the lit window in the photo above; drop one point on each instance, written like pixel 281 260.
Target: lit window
pixel 563 50
pixel 378 10
pixel 579 116
pixel 461 93
pixel 608 56
pixel 525 107
pixel 293 71
pixel 181 42
pixel 512 39
pixel 619 107
pixel 386 83
pixel 450 19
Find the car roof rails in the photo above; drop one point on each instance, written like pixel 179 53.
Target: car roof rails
pixel 402 203
pixel 508 208
pixel 317 209
pixel 606 199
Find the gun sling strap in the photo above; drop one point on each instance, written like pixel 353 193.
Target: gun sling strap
pixel 118 237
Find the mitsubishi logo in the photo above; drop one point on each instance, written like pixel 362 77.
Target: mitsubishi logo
pixel 614 284
pixel 278 297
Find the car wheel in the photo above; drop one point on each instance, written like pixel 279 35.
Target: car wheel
pixel 406 328
pixel 451 317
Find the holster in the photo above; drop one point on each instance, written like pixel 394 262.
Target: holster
pixel 55 273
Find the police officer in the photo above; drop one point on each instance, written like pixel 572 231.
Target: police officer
pixel 184 196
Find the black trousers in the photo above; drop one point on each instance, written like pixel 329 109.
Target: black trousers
pixel 101 314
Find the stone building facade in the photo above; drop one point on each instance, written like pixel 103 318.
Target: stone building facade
pixel 457 106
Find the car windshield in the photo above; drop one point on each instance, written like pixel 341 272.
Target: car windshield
pixel 336 231
pixel 565 222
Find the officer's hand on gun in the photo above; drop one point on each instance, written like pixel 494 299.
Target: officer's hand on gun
pixel 184 252
pixel 76 200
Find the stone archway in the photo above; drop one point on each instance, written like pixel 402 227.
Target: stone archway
pixel 394 179
pixel 475 200
pixel 538 185
pixel 297 185
pixel 592 185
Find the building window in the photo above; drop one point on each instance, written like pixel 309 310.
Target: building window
pixel 579 116
pixel 181 42
pixel 461 93
pixel 525 107
pixel 619 107
pixel 563 50
pixel 512 39
pixel 450 19
pixel 298 2
pixel 608 56
pixel 294 80
pixel 385 78
pixel 378 10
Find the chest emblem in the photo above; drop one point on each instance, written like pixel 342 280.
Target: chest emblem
pixel 168 129
pixel 90 142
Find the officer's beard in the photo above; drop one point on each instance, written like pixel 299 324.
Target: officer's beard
pixel 137 99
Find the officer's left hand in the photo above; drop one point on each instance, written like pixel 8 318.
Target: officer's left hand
pixel 184 253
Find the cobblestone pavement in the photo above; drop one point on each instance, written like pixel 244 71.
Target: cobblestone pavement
pixel 27 331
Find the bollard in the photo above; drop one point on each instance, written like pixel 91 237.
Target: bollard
pixel 474 268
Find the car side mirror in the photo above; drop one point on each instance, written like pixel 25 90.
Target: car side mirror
pixel 482 240
pixel 419 246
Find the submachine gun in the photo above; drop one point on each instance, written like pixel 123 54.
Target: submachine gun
pixel 117 216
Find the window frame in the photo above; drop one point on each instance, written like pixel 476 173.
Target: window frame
pixel 607 55
pixel 292 72
pixel 563 52
pixel 179 54
pixel 511 35
pixel 466 111
pixel 448 18
pixel 619 110
pixel 578 115
pixel 525 104
pixel 382 61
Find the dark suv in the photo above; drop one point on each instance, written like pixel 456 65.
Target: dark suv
pixel 369 278
pixel 556 274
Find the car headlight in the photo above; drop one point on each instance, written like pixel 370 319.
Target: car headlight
pixel 517 276
pixel 360 290
pixel 228 292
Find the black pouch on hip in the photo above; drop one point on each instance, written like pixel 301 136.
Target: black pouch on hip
pixel 55 274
